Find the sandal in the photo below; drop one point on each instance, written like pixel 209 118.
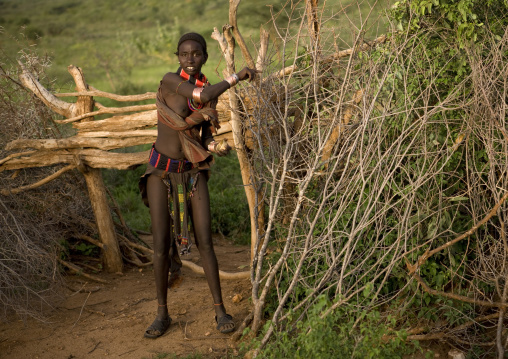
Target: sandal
pixel 224 324
pixel 157 328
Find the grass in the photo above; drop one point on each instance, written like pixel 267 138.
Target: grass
pixel 103 36
pixel 125 47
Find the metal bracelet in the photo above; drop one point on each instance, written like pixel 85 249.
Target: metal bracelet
pixel 211 146
pixel 232 80
pixel 196 94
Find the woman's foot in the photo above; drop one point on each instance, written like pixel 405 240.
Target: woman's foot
pixel 158 327
pixel 225 323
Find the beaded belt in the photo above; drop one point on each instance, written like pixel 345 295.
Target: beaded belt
pixel 162 162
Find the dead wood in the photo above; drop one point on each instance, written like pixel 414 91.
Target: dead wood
pixel 89 240
pixel 98 198
pixel 457 296
pixel 133 121
pixel 78 142
pixel 92 268
pixel 14 155
pixel 108 110
pixel 313 22
pixel 30 82
pixel 84 104
pixel 334 136
pixel 239 332
pixel 226 43
pixel 233 7
pixel 190 265
pixel 90 157
pixel 264 37
pixel 123 134
pixel 77 270
pixel 57 174
pixel 223 275
pixel 363 47
pixel 112 96
pixel 429 253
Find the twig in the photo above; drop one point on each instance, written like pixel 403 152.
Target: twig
pixel 81 311
pixel 14 155
pixel 95 347
pixel 127 352
pixel 427 254
pixel 456 296
pixel 89 239
pixel 74 268
pixel 238 333
pixel 55 175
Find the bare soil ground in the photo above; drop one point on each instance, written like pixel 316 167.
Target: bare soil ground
pixel 110 319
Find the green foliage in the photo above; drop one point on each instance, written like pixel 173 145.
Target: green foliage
pixel 124 188
pixel 414 173
pixel 343 333
pixel 229 209
pixel 86 249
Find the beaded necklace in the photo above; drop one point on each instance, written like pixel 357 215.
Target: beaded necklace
pixel 198 80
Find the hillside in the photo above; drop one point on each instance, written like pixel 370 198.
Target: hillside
pixel 104 37
pixel 126 46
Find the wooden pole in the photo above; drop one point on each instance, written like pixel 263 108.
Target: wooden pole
pixel 227 44
pixel 96 188
pixel 98 197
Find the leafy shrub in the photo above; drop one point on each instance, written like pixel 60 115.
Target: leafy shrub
pixel 125 190
pixel 229 209
pixel 340 334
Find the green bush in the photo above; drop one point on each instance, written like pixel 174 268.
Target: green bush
pixel 124 188
pixel 229 208
pixel 340 334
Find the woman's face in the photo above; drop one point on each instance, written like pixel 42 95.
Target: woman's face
pixel 191 57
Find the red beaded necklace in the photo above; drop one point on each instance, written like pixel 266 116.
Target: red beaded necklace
pixel 198 80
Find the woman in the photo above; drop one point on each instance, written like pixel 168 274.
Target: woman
pixel 175 183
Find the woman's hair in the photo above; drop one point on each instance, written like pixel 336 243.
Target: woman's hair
pixel 195 37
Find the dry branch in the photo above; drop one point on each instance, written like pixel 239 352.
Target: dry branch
pixel 90 157
pixel 61 107
pixel 458 297
pixel 120 123
pixel 79 271
pixel 108 110
pixel 263 49
pixel 57 174
pixel 14 155
pixel 89 239
pixel 429 253
pixel 364 47
pixel 120 134
pixel 81 143
pixel 233 7
pixel 112 96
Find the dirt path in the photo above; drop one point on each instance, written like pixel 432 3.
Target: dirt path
pixel 110 321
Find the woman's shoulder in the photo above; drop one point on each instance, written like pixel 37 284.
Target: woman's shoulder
pixel 170 77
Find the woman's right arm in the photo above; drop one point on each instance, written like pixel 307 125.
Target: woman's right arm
pixel 176 84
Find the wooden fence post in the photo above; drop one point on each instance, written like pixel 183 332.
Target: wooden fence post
pixel 96 188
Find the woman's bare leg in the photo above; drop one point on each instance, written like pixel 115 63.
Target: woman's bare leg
pixel 201 221
pixel 157 194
